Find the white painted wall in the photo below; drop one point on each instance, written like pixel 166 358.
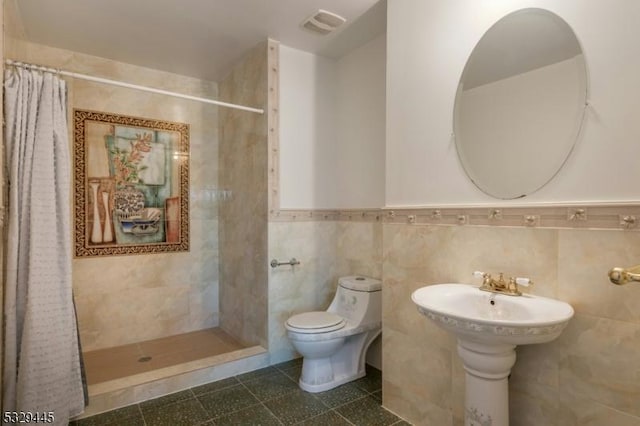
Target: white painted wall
pixel 332 128
pixel 428 44
pixel 307 130
pixel 361 126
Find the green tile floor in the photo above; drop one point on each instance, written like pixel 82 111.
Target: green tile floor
pixel 269 396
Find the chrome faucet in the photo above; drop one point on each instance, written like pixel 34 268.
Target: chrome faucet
pixel 500 285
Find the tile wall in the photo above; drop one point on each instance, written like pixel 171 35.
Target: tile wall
pixel 243 215
pixel 127 299
pixel 327 250
pixel 588 376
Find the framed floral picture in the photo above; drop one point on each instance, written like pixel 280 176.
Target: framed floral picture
pixel 131 185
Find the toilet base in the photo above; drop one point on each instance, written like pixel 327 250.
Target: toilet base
pixel 329 385
pixel 323 373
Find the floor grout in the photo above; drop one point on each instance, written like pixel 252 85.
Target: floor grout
pixel 201 405
pixel 276 390
pixel 144 421
pixel 261 402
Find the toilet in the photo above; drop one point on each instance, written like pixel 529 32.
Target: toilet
pixel 334 342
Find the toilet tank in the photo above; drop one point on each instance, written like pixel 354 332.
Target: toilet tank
pixel 358 299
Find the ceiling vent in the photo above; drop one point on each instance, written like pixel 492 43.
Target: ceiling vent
pixel 322 22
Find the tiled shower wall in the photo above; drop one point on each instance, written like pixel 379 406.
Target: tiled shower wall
pixel 243 214
pixel 589 376
pixel 126 299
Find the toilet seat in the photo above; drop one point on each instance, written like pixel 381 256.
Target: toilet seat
pixel 315 322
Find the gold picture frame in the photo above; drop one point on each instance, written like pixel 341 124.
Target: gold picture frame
pixel 131 185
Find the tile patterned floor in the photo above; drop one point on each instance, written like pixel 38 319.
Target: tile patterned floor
pixel 269 396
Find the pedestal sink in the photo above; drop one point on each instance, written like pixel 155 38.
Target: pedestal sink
pixel 489 326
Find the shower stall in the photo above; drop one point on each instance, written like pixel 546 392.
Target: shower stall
pixel 225 331
pixel 228 229
pixel 153 324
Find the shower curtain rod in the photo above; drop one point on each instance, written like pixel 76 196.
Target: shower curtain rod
pixel 131 86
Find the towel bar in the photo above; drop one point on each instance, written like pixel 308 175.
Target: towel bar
pixel 274 263
pixel 622 276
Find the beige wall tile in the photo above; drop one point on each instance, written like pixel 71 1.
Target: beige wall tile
pixel 309 286
pixel 243 216
pixel 538 364
pixel 585 257
pixel 420 367
pixel 577 411
pixel 13 26
pixel 327 250
pixel 532 404
pixel 407 260
pixel 437 254
pixel 359 248
pixel 128 298
pixel 594 359
pixel 601 362
pixel 412 407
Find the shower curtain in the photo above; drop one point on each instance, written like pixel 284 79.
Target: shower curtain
pixel 42 371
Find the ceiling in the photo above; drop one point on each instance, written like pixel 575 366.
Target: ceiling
pixel 199 38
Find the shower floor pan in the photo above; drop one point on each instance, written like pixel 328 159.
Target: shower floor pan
pixel 129 374
pixel 103 365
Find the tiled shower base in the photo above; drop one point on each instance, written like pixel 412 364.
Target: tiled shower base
pixel 130 374
pixel 115 363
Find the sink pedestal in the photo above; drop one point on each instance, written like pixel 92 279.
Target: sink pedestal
pixel 487 369
pixel 489 326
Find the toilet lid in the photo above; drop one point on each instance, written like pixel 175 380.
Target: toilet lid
pixel 316 322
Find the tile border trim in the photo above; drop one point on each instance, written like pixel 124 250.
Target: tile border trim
pixel 273 124
pixel 587 216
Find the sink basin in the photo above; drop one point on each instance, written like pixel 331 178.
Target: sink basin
pixel 489 326
pixel 490 317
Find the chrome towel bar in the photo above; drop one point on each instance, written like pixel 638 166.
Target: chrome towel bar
pixel 274 262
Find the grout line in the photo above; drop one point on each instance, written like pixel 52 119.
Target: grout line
pixel 272 413
pixel 290 378
pixel 262 402
pixel 366 395
pixel 215 390
pixel 209 417
pixel 347 420
pixel 276 371
pixel 144 421
pixel 202 406
pixel 322 414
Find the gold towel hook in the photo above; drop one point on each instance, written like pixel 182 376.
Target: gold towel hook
pixel 621 276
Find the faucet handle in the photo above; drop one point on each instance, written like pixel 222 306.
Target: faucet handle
pixel 487 281
pixel 479 274
pixel 526 282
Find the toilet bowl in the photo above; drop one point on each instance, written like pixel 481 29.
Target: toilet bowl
pixel 334 343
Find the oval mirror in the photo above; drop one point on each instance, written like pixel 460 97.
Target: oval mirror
pixel 520 103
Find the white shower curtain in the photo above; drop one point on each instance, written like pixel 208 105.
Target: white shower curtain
pixel 42 370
